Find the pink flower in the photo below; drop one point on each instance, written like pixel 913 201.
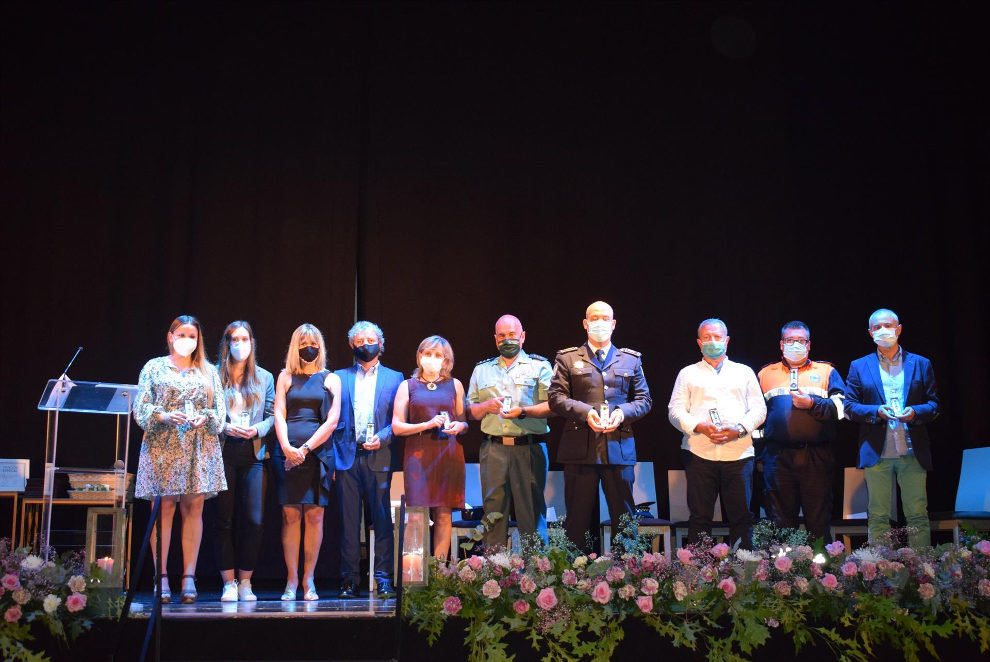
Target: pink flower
pixel 782 588
pixel 13 614
pixel 645 603
pixel 21 596
pixel 543 564
pixel 76 583
pixel 650 586
pixel 783 563
pixel 849 569
pixel 568 578
pixel 11 582
pixel 708 573
pixel 75 602
pixel 869 570
pixel 476 563
pixel 816 570
pixel 491 589
pixel 467 574
pixel 926 591
pixel 801 584
pixel 526 584
pixel 983 547
pixel 684 556
pixel 521 606
pixel 984 588
pixel 829 581
pixel 804 553
pixel 835 548
pixel 728 587
pixel 452 605
pixel 601 593
pixel 517 562
pixel 762 570
pixel 614 574
pixel 626 591
pixel 680 591
pixel 592 556
pixel 772 622
pixel 547 599
pixel 720 551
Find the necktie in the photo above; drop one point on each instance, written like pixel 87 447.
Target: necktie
pixel 601 357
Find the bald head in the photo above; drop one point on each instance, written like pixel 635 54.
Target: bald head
pixel 600 310
pixel 509 331
pixel 506 322
pixel 884 314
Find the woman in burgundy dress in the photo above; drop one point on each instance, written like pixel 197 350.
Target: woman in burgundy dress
pixel 429 412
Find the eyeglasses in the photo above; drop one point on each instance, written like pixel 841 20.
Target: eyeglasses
pixel 798 341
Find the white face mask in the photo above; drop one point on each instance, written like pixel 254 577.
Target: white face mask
pixel 795 352
pixel 431 364
pixel 184 346
pixel 600 330
pixel 240 350
pixel 885 337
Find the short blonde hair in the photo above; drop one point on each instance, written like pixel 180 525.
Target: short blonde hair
pixel 293 364
pixel 448 355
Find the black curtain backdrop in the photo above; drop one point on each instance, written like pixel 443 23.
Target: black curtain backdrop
pixel 433 166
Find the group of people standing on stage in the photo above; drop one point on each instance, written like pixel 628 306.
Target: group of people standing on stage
pixel 207 432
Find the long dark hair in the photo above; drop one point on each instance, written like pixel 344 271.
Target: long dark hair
pixel 250 385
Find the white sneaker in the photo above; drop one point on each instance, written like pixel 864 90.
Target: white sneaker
pixel 244 592
pixel 229 592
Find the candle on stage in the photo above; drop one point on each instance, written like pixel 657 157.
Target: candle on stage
pixel 105 564
pixel 412 567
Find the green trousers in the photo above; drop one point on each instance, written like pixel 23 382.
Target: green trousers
pixel 913 481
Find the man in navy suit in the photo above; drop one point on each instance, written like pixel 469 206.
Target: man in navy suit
pixel 600 391
pixel 891 394
pixel 362 445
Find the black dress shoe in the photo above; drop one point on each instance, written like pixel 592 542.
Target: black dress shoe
pixel 348 591
pixel 385 589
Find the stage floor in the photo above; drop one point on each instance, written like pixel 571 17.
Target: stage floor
pixel 208 606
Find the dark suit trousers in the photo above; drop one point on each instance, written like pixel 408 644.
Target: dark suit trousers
pixel 581 498
pixel 708 480
pixel 800 478
pixel 245 498
pixel 354 486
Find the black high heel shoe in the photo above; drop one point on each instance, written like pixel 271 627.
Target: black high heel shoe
pixel 189 597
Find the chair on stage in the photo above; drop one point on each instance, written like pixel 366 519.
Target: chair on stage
pixel 553 495
pixel 464 526
pixel 644 492
pixel 972 496
pixel 855 503
pixel 680 513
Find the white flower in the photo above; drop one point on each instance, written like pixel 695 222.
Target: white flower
pixel 745 555
pixel 77 583
pixel 501 559
pixel 580 561
pixel 32 562
pixel 866 554
pixel 51 603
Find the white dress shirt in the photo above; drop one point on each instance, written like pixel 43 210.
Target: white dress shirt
pixel 733 390
pixel 365 382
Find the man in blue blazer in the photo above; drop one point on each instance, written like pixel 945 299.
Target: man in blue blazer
pixel 891 394
pixel 362 444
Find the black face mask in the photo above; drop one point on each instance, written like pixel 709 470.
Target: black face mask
pixel 309 354
pixel 509 347
pixel 367 352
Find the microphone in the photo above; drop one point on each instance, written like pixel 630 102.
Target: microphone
pixel 71 361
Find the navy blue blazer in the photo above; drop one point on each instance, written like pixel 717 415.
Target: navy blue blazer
pixel 864 395
pixel 344 446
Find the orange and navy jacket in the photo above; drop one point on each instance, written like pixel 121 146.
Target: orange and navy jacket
pixel 786 424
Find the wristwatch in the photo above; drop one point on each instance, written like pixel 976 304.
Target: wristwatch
pixel 522 412
pixel 305 447
pixel 742 430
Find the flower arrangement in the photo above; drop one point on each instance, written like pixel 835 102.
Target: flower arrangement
pixel 711 599
pixel 42 589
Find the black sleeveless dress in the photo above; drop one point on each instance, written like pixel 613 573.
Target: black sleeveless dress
pixel 307 404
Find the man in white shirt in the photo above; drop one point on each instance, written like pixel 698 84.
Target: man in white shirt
pixel 717 403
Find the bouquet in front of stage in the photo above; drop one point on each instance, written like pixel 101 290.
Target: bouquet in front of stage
pixel 49 590
pixel 722 604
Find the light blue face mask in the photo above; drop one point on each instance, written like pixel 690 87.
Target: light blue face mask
pixel 713 349
pixel 600 330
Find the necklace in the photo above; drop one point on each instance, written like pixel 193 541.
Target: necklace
pixel 430 386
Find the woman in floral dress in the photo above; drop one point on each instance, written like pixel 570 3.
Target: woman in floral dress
pixel 181 408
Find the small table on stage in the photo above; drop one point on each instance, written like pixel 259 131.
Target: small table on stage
pixel 16 496
pixel 31 509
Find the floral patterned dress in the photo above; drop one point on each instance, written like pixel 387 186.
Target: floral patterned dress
pixel 177 459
